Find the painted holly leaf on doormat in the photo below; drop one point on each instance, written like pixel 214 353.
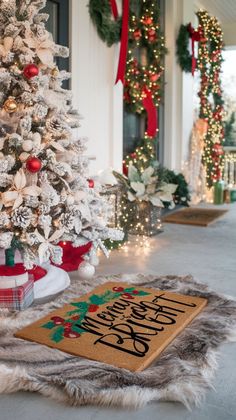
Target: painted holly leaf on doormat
pixel 70 327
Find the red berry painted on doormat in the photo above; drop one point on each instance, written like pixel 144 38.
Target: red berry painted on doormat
pixel 127 296
pixel 71 334
pixel 118 289
pixel 68 324
pixel 57 320
pixel 135 292
pixel 93 308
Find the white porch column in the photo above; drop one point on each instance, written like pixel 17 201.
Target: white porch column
pixel 93 67
pixel 179 88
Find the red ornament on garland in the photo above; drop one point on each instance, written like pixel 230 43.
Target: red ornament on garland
pixel 147 20
pixel 91 183
pixel 151 35
pixel 30 71
pixel 137 34
pixel 33 164
pixel 154 77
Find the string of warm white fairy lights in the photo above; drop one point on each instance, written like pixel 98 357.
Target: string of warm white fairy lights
pixel 211 102
pixel 144 68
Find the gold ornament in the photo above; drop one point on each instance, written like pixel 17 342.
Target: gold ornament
pixel 10 105
pixel 15 69
pixel 55 72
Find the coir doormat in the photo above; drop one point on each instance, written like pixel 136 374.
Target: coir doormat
pixel 183 371
pixel 194 216
pixel 117 323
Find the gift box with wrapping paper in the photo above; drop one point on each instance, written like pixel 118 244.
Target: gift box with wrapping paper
pixel 16 287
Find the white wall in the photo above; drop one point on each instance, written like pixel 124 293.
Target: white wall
pixel 179 109
pixel 93 67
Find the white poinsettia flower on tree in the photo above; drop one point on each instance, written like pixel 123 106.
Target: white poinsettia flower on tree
pixel 46 248
pixel 14 197
pixel 43 49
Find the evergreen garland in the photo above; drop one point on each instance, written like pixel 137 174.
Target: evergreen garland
pixel 183 54
pixel 182 194
pixel 146 52
pixel 209 64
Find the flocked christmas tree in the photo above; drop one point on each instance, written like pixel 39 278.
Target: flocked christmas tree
pixel 45 195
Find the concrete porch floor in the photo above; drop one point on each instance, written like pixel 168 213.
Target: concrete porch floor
pixel 209 254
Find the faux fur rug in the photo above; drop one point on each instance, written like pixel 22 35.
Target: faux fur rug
pixel 182 373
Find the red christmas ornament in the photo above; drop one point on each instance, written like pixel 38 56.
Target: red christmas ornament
pixel 33 164
pixel 147 20
pixel 91 183
pixel 217 149
pixel 125 169
pixel 137 34
pixel 30 71
pixel 151 35
pixel 154 77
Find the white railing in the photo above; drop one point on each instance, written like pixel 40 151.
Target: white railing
pixel 230 165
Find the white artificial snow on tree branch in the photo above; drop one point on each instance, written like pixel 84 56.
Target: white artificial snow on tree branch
pixel 57 203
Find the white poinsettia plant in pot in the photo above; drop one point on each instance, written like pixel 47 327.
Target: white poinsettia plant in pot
pixel 147 186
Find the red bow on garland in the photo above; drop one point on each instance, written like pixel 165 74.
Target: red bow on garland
pixel 195 37
pixel 124 38
pixel 151 110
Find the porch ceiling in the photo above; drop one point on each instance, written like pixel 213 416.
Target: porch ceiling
pixel 224 10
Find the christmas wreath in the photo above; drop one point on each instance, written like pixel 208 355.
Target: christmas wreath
pixel 183 54
pixel 187 61
pixel 108 27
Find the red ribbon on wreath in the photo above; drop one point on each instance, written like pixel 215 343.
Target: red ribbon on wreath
pixel 148 104
pixel 195 37
pixel 124 42
pixel 114 9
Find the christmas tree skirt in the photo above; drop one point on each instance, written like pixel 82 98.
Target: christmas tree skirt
pixel 55 281
pixel 182 372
